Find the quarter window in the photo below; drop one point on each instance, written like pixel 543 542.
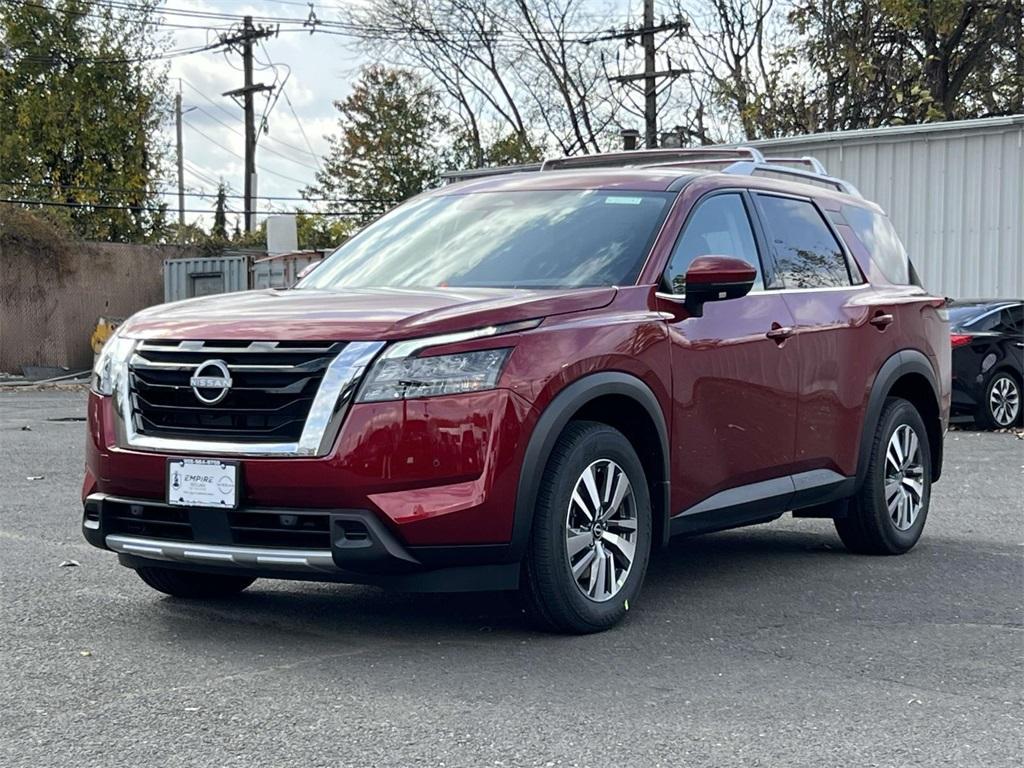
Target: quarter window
pixel 807 254
pixel 1008 321
pixel 719 227
pixel 882 243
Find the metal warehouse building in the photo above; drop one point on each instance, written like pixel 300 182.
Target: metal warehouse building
pixel 954 191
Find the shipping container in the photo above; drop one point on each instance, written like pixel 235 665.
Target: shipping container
pixel 282 270
pixel 205 275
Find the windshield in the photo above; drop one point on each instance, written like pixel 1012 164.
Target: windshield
pixel 546 239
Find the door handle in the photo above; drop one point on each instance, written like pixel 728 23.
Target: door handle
pixel 779 333
pixel 882 320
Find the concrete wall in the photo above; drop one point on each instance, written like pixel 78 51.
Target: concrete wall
pixel 954 191
pixel 52 293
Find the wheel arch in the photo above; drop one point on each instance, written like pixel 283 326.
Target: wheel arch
pixel 621 401
pixel 909 375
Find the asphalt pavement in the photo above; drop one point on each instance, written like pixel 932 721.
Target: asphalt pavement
pixel 765 646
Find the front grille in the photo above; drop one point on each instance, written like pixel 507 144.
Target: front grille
pixel 272 388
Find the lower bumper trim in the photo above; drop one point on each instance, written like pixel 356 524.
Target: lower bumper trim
pixel 246 557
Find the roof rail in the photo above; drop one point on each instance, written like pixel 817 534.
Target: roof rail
pixel 811 162
pixel 651 157
pixel 772 168
pixel 744 161
pixel 479 173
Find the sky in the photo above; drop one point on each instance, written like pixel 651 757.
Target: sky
pixel 316 70
pixel 319 69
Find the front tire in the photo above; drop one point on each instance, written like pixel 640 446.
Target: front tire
pixel 1001 407
pixel 591 536
pixel 191 584
pixel 887 515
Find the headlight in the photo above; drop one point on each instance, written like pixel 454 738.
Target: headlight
pixel 400 373
pixel 111 364
pixel 409 377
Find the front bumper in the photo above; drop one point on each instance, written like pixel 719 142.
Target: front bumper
pixel 354 547
pixel 437 472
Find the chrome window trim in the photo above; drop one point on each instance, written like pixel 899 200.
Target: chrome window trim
pixel 827 288
pixel 335 394
pixel 681 297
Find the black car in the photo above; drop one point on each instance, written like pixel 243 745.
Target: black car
pixel 988 356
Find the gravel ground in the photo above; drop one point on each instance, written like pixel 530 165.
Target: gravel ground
pixel 766 646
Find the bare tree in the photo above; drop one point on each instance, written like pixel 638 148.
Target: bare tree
pixel 512 69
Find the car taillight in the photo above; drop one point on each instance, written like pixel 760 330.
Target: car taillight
pixel 959 339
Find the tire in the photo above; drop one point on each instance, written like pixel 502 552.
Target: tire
pixel 555 598
pixel 192 584
pixel 1002 405
pixel 870 527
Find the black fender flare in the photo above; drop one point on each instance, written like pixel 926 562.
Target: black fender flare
pixel 549 427
pixel 899 364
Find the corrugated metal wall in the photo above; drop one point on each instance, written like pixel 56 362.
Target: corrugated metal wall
pixel 954 191
pixel 205 275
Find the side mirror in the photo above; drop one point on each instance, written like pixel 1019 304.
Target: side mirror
pixel 716 278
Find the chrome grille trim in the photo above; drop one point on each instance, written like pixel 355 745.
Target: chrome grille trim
pixel 332 399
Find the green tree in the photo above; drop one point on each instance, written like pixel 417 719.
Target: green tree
pixel 220 214
pixel 390 144
pixel 81 103
pixel 322 232
pixel 880 62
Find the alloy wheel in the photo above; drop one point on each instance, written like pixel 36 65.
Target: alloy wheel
pixel 601 530
pixel 1004 401
pixel 904 477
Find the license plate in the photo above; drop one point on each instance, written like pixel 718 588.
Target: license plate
pixel 202 483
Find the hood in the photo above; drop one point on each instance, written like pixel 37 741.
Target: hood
pixel 355 314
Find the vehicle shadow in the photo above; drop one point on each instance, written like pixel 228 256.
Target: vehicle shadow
pixel 699 572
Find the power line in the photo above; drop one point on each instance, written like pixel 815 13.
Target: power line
pixel 140 209
pixel 141 22
pixel 201 193
pixel 302 130
pixel 172 54
pixel 240 157
pixel 213 140
pixel 312 24
pixel 234 129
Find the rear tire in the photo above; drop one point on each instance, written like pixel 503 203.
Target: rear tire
pixel 607 547
pixel 1001 407
pixel 191 584
pixel 887 515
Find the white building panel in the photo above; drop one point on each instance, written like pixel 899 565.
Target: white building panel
pixel 954 191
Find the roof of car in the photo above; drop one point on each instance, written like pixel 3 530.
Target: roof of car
pixel 660 178
pixel 983 303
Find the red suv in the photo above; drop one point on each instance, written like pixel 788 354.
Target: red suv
pixel 531 380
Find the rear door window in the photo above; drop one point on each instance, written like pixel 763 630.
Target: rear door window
pixel 1010 321
pixel 807 254
pixel 718 227
pixel 879 237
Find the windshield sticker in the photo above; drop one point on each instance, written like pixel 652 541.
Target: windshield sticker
pixel 623 200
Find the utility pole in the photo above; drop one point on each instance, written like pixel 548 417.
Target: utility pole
pixel 651 74
pixel 245 40
pixel 181 166
pixel 650 83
